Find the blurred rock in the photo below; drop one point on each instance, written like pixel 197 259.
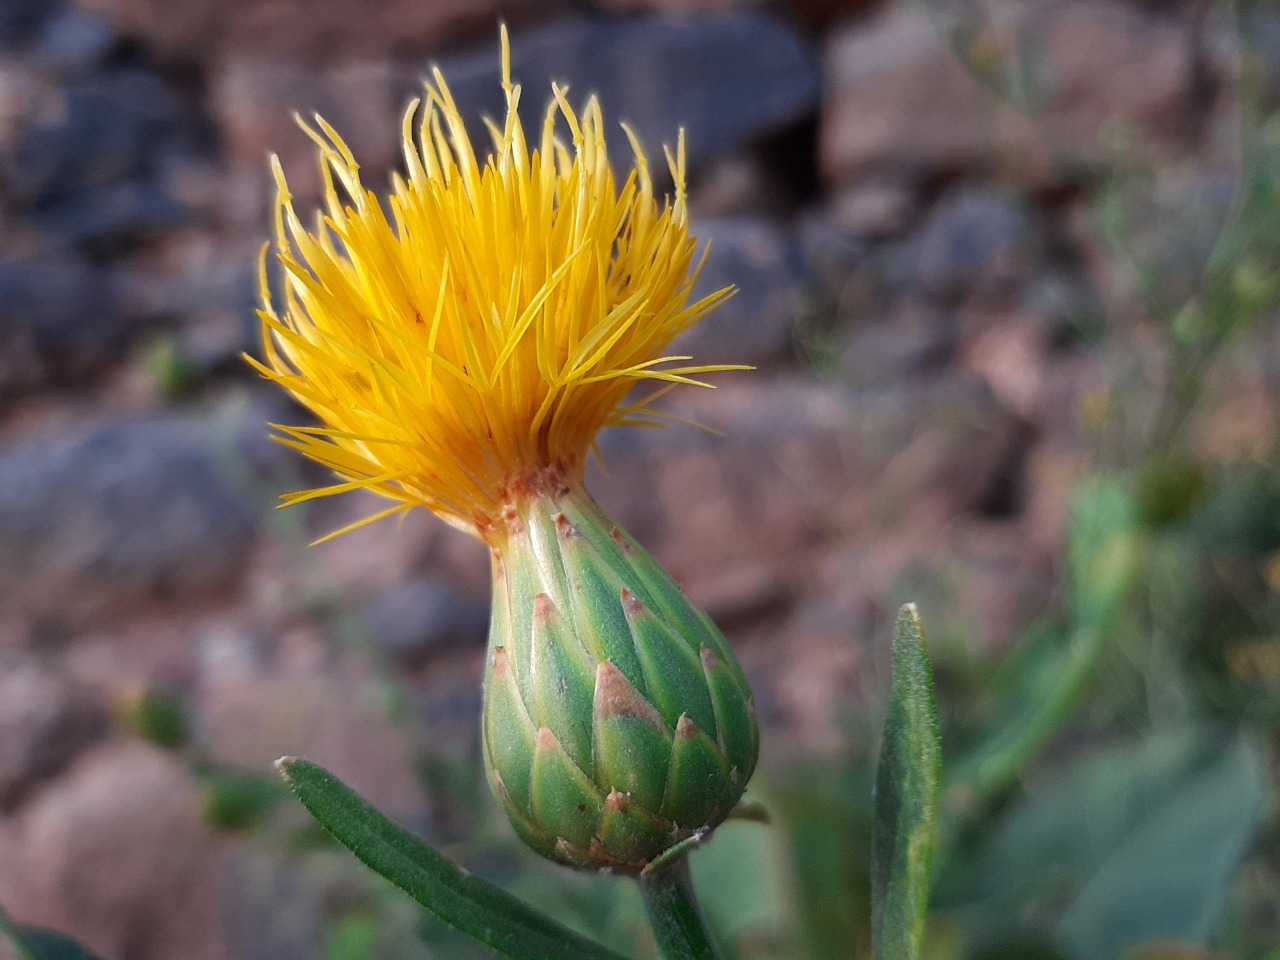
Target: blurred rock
pixel 104 129
pixel 901 100
pixel 44 722
pixel 338 718
pixel 977 239
pixel 678 8
pixel 58 322
pixel 115 855
pixel 801 465
pixel 254 99
pixel 315 30
pixel 900 104
pixel 916 338
pixel 755 325
pixel 104 218
pixel 20 20
pixel 421 616
pixel 73 43
pixel 136 512
pixel 727 80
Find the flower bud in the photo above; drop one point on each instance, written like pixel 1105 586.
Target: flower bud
pixel 617 721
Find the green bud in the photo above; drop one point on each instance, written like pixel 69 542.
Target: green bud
pixel 617 721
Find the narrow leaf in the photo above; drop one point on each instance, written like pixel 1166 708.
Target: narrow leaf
pixel 474 906
pixel 906 798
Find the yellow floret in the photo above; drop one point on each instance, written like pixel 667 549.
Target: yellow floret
pixel 480 328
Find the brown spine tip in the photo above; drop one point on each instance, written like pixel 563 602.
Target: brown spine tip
pixel 565 527
pixel 709 660
pixel 632 605
pixel 616 697
pixel 620 540
pixel 547 741
pixel 544 610
pixel 616 801
pixel 501 664
pixel 686 729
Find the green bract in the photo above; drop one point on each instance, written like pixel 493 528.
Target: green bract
pixel 617 721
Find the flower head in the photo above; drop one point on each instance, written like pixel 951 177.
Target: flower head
pixel 470 338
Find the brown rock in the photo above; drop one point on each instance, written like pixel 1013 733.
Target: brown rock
pixel 115 855
pixel 901 99
pixel 899 103
pixel 44 722
pixel 320 30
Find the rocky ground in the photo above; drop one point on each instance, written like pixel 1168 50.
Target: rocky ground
pixel 921 266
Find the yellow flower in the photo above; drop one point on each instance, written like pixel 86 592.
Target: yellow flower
pixel 463 344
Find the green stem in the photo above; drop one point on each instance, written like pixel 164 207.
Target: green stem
pixel 675 916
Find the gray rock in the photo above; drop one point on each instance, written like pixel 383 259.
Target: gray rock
pixel 58 322
pixel 20 20
pixel 977 238
pixel 74 42
pixel 107 216
pixel 727 80
pixel 135 512
pixel 419 616
pixel 44 722
pixel 754 325
pixel 111 129
pixel 915 338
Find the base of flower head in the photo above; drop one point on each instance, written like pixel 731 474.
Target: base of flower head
pixel 617 721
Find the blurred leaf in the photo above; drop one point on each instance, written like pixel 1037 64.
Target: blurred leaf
pixel 1168 879
pixel 161 717
pixel 234 800
pixel 352 937
pixel 37 943
pixel 739 877
pixel 475 907
pixel 907 781
pixel 825 811
pixel 1127 845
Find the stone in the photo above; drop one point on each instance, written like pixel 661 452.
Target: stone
pixel 254 99
pixel 139 511
pixel 44 722
pixel 107 217
pixel 679 8
pixel 306 29
pixel 59 322
pixel 899 104
pixel 800 464
pixel 420 616
pixel 20 20
pixel 976 239
pixel 901 100
pixel 755 325
pixel 104 129
pixel 727 80
pixel 915 338
pixel 115 855
pixel 75 43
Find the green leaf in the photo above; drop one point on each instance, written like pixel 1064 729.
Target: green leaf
pixel 1128 845
pixel 37 943
pixel 906 799
pixel 1169 876
pixel 474 906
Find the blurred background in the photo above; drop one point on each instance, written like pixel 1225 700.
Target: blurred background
pixel 1010 272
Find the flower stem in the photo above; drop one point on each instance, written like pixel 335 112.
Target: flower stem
pixel 675 916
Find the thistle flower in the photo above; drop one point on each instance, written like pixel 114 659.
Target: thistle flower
pixel 462 346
